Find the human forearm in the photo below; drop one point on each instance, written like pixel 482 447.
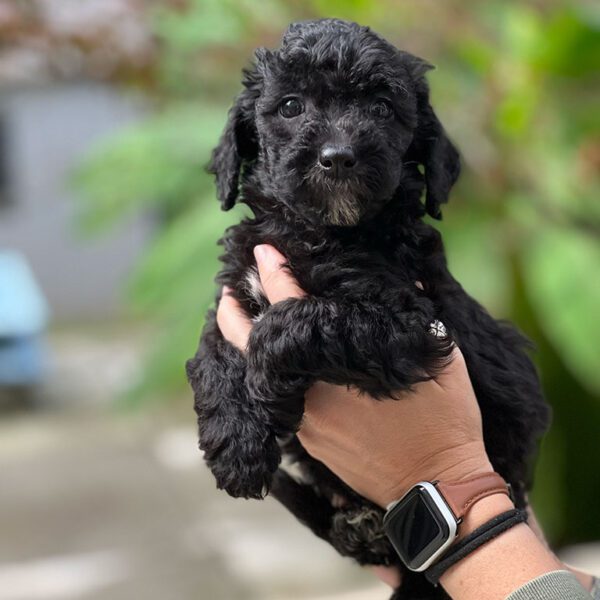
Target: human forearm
pixel 381 449
pixel 501 566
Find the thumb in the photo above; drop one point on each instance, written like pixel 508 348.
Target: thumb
pixel 276 280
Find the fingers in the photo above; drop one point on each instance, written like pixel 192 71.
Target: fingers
pixel 320 402
pixel 455 372
pixel 326 407
pixel 276 280
pixel 278 285
pixel 233 321
pixel 389 575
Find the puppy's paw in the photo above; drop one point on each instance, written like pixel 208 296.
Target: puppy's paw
pixel 358 532
pixel 282 396
pixel 407 349
pixel 278 372
pixel 245 468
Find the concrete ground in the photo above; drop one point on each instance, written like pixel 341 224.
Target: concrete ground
pixel 101 505
pixel 123 508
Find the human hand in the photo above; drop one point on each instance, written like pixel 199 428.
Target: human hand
pixel 379 448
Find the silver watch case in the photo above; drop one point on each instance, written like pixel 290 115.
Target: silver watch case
pixel 443 512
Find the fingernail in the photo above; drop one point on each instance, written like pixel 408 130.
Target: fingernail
pixel 266 256
pixel 226 290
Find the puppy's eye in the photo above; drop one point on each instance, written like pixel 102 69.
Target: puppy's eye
pixel 382 109
pixel 291 107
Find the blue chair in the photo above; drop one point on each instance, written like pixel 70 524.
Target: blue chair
pixel 23 320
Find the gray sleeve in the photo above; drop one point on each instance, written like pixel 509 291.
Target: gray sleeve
pixel 558 585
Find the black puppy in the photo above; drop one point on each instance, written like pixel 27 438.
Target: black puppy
pixel 333 143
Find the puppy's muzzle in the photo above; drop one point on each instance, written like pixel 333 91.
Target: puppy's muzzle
pixel 337 160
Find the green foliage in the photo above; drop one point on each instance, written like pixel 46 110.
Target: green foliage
pixel 561 268
pixel 516 88
pixel 158 163
pixel 173 284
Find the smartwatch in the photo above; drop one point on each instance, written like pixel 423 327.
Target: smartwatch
pixel 424 522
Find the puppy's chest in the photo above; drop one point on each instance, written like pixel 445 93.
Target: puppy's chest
pixel 346 278
pixel 254 293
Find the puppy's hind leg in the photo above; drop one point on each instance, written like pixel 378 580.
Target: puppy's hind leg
pixel 239 445
pixel 301 499
pixel 415 587
pixel 355 530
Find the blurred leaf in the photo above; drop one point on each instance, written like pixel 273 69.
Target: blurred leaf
pixel 202 22
pixel 549 476
pixel 477 53
pixel 571 44
pixel 157 163
pixel 174 283
pixel 178 265
pixel 517 109
pixel 475 249
pixel 166 358
pixel 567 189
pixel 562 272
pixel 361 11
pixel 198 40
pixel 521 31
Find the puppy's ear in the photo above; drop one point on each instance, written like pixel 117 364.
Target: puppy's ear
pixel 433 149
pixel 441 162
pixel 417 67
pixel 238 145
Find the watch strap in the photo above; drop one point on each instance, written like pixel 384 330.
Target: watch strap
pixel 461 495
pixel 483 534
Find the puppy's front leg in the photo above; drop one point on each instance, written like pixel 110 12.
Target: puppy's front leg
pixel 235 433
pixel 379 347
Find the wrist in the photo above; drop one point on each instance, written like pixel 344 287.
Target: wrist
pixel 505 563
pixel 452 465
pixel 430 518
pixel 483 511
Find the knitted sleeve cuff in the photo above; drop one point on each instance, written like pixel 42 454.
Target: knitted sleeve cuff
pixel 557 585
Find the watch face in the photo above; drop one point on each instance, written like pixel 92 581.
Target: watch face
pixel 420 526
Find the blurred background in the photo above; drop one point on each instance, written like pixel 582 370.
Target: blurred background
pixel 108 230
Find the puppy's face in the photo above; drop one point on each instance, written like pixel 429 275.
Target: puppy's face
pixel 334 119
pixel 328 123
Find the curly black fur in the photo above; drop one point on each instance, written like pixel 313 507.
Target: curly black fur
pixel 356 242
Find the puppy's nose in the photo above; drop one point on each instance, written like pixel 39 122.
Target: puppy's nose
pixel 337 159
